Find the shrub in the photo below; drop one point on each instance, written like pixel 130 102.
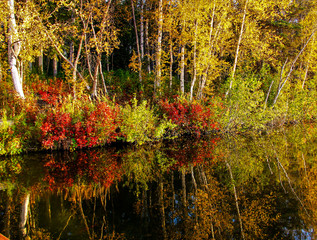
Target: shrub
pixel 10 144
pixel 190 117
pixel 88 128
pixel 139 123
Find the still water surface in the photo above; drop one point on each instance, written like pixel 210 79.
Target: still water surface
pixel 229 187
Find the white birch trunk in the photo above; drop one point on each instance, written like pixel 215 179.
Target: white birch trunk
pixel 171 63
pixel 182 73
pixel 147 44
pixel 194 63
pixel 142 29
pixel 14 46
pixel 238 46
pixel 159 46
pixel 137 42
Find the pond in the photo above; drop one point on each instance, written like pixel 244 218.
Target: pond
pixel 261 186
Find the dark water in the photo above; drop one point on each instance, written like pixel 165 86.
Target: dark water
pixel 233 187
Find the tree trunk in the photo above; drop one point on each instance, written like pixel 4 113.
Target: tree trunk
pixel 238 46
pixel 194 63
pixel 41 69
pixel 147 44
pixel 71 52
pixel 182 69
pixel 75 62
pixel 184 187
pixel 157 83
pixel 293 67
pixel 171 63
pixel 55 66
pixel 204 77
pixel 0 72
pixel 137 42
pixel 95 81
pixel 14 47
pixel 142 29
pixel 103 79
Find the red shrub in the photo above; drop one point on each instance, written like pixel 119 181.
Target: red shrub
pixel 51 92
pixel 60 131
pixel 190 117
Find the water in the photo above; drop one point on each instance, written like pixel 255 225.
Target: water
pixel 229 187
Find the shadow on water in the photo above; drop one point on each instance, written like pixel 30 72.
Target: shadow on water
pixel 242 187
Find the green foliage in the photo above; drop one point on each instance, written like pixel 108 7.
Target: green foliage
pixel 245 105
pixel 139 123
pixel 302 102
pixel 9 142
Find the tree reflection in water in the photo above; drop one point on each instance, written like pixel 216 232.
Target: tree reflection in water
pixel 242 187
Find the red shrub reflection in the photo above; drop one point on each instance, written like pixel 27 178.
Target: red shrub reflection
pixel 88 168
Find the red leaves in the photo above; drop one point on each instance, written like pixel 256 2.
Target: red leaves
pixel 62 131
pixel 51 92
pixel 190 117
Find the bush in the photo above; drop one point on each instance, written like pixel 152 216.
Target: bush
pixel 244 105
pixel 190 117
pixel 88 126
pixel 139 123
pixel 10 144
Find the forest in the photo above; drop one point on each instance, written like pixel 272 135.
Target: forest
pixel 83 73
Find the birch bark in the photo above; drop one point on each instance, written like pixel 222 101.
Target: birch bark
pixel 159 47
pixel 238 47
pixel 14 47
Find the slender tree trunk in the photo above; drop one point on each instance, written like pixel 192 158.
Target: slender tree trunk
pixel 103 79
pixel 14 47
pixel 137 42
pixel 159 47
pixel 76 63
pixel 193 177
pixel 238 46
pixel 55 66
pixel 41 69
pixel 142 29
pixel 194 63
pixel 71 52
pixel 184 187
pixel 0 71
pixel 24 215
pixel 96 78
pixel 182 70
pixel 171 63
pixel 147 44
pixel 108 63
pixel 307 65
pixel 204 78
pixel 293 66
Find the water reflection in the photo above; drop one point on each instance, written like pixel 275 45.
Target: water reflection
pixel 235 187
